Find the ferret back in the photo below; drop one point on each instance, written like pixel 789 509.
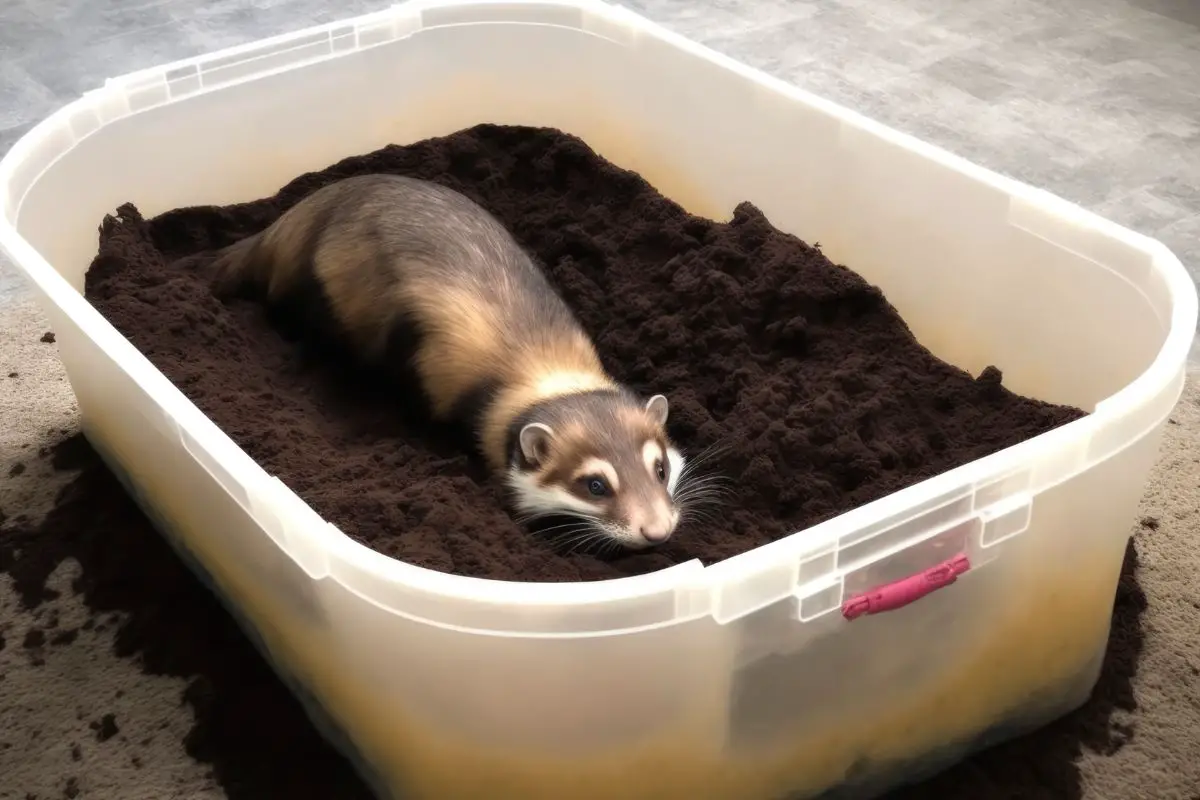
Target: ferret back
pixel 385 249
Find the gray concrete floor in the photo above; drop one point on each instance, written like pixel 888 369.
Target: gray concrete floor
pixel 1095 100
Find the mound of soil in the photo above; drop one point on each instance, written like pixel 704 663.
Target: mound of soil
pixel 808 386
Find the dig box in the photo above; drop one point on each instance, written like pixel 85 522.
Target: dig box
pixel 752 678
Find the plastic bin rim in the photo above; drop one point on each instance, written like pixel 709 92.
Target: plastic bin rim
pixel 1157 377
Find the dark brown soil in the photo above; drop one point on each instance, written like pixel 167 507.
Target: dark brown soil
pixel 248 726
pixel 803 374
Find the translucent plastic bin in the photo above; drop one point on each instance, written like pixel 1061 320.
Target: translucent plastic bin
pixel 741 680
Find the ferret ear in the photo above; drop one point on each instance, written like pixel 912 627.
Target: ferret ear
pixel 657 408
pixel 535 442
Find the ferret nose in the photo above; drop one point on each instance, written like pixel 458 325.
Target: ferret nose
pixel 655 534
pixel 657 526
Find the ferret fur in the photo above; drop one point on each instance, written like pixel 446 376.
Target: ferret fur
pixel 387 250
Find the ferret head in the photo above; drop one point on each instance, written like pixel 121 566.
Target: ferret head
pixel 603 457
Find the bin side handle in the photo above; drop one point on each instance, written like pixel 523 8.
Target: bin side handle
pixel 900 593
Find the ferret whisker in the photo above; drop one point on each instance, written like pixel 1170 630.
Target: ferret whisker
pixel 583 531
pixel 713 451
pixel 708 492
pixel 569 542
pixel 575 524
pixel 601 543
pixel 568 527
pixel 533 516
pixel 699 501
pixel 705 520
pixel 566 542
pixel 609 546
pixel 704 490
pixel 586 537
pixel 704 477
pixel 698 511
pixel 698 472
pixel 707 476
pixel 707 500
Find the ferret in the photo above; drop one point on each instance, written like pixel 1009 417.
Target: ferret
pixel 496 348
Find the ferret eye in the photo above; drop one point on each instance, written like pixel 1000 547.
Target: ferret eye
pixel 596 486
pixel 660 470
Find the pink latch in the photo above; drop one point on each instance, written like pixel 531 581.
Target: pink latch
pixel 895 595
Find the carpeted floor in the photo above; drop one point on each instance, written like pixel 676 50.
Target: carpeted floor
pixel 1097 100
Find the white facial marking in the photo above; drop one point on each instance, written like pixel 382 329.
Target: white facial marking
pixel 651 453
pixel 677 462
pixel 532 498
pixel 559 383
pixel 598 466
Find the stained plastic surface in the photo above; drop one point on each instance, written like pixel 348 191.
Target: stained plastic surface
pixel 742 680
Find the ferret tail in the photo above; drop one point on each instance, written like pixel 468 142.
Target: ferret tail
pixel 238 266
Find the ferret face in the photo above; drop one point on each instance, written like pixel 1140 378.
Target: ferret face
pixel 602 457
